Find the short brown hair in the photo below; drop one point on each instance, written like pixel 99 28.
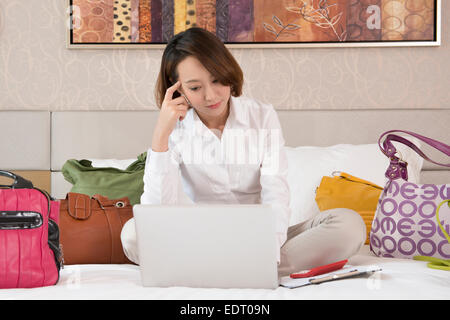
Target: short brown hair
pixel 209 50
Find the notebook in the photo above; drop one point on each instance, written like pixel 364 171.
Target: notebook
pixel 207 246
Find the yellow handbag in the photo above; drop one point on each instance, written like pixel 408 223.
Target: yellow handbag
pixel 347 191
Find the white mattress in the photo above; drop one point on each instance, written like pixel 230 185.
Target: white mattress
pixel 399 279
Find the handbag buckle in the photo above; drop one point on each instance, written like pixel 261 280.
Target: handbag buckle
pixel 120 204
pixel 336 173
pixel 397 169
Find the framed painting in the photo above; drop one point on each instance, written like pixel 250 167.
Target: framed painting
pixel 255 23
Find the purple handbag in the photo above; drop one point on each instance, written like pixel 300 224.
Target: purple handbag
pixel 405 223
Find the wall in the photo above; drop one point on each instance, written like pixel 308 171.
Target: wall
pixel 37 72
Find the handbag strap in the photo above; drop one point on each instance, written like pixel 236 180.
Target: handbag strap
pixel 436 263
pixel 105 202
pixel 112 209
pixel 79 205
pixel 19 182
pixel 389 150
pixel 447 236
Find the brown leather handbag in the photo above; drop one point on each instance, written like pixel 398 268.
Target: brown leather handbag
pixel 90 229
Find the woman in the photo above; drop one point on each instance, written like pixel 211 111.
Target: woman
pixel 210 145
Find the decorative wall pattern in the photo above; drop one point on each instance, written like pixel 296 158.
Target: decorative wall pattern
pixel 254 21
pixel 38 72
pixel 94 23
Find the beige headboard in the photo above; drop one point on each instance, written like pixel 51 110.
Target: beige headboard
pixel 37 143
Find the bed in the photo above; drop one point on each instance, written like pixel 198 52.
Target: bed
pixel 58 136
pixel 399 279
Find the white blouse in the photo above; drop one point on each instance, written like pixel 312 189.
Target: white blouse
pixel 246 164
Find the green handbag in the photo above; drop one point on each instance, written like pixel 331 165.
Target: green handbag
pixel 110 182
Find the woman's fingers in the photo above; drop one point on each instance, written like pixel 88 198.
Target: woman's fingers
pixel 178 101
pixel 171 90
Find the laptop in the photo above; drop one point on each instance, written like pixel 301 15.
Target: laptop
pixel 207 246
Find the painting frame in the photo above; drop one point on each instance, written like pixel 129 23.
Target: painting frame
pixel 436 41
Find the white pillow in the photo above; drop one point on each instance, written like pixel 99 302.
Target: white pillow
pixel 111 163
pixel 307 166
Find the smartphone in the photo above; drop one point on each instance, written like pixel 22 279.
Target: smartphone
pixel 178 93
pixel 319 270
pixel 187 100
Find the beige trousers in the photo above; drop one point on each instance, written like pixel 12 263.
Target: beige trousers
pixel 331 236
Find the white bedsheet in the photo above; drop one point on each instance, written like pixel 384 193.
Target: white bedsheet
pixel 400 279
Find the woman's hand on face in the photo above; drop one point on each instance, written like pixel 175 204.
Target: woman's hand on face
pixel 172 110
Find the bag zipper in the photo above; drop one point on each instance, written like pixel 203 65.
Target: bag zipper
pixel 59 258
pixel 362 182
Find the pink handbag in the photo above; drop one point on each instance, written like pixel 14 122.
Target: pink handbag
pixel 406 223
pixel 29 235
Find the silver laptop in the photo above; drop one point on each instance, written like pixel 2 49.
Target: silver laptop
pixel 207 246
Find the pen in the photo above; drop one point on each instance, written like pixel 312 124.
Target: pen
pixel 335 276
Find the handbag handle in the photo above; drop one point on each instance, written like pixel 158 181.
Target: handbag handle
pixel 389 150
pixel 436 263
pixel 447 236
pixel 19 182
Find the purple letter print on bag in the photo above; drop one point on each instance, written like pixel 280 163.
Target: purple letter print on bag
pixel 405 222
